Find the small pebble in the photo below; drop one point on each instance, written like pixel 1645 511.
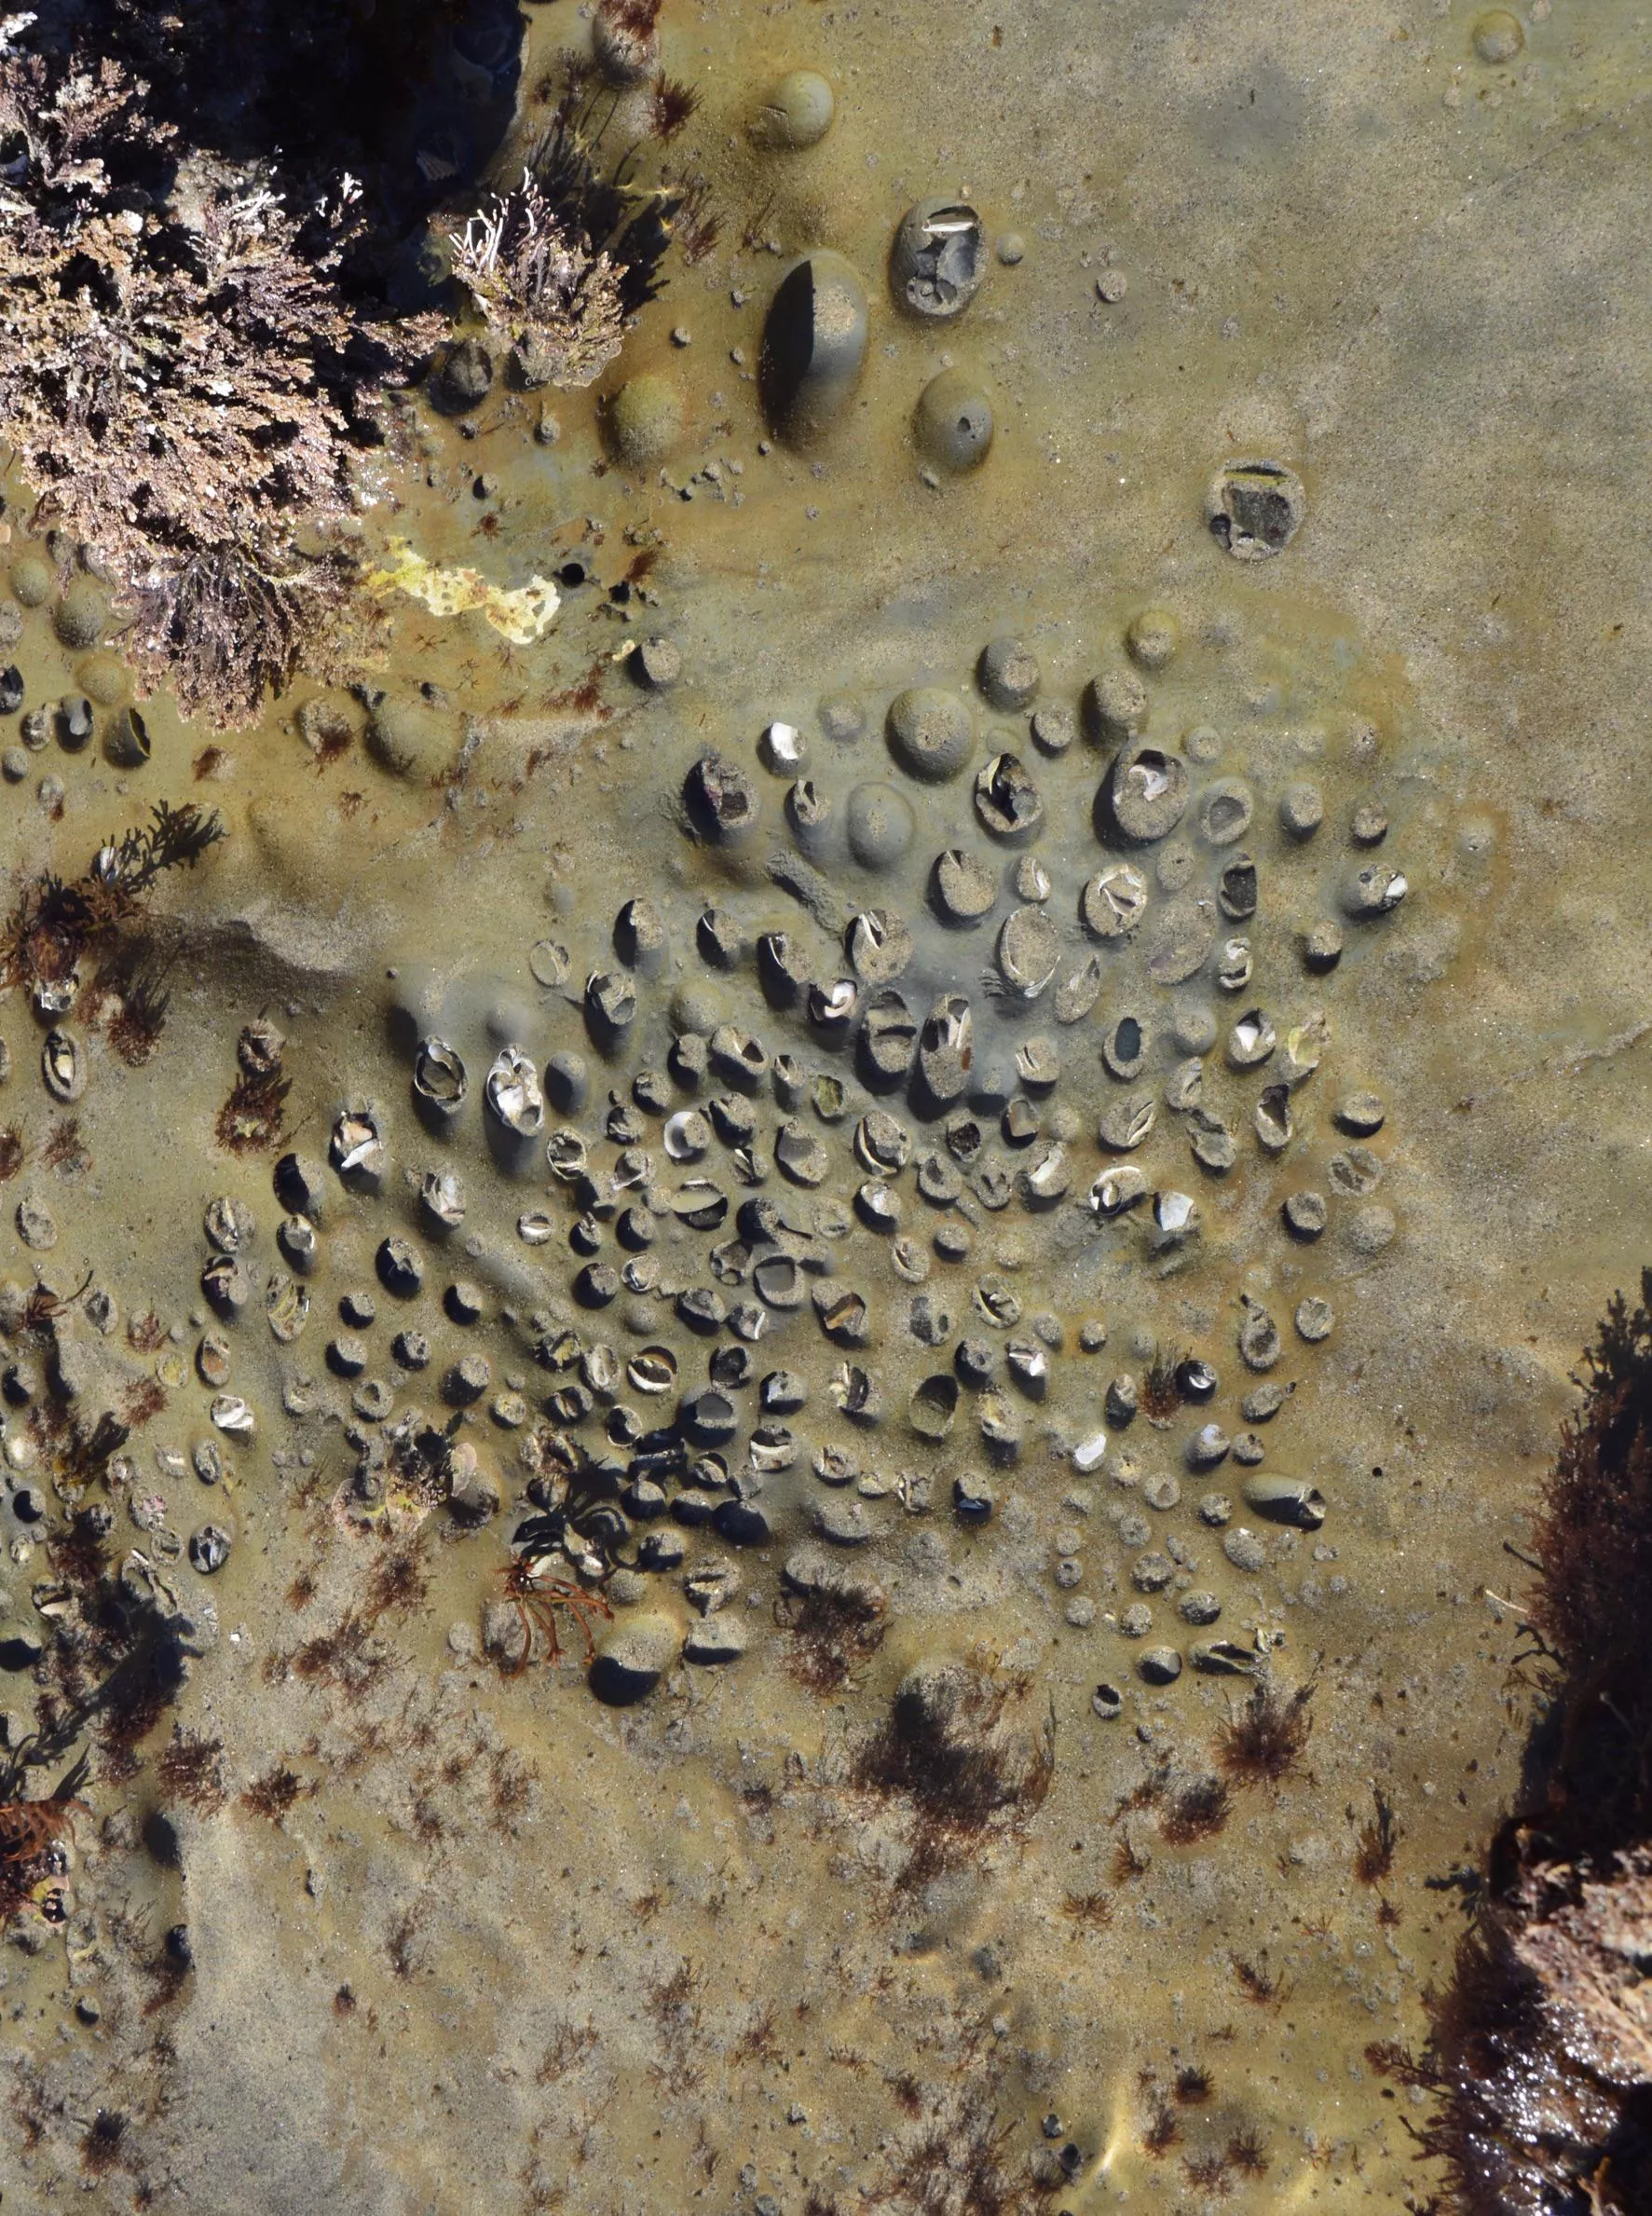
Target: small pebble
pixel 1244 1550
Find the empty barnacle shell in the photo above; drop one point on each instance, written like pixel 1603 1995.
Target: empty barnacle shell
pixel 560 1352
pixel 1221 1658
pixel 1234 965
pixel 1285 1499
pixel 62 1065
pixel 1372 892
pixel 782 1393
pixel 857 1393
pixel 356 1148
pixel 611 1001
pixel 1123 1046
pixel 567 1155
pixel 996 1304
pixel 843 1314
pixel 1117 1189
pixel 653 1369
pixel 879 946
pixel 1124 1124
pixel 832 1004
pixel 535 1228
pixel 1225 810
pixel 287 1307
pixel 228 1224
pixel 1113 900
pixel 1006 800
pixel 800 1154
pixel 1237 888
pixel 687 1135
pixel 511 1091
pixel 550 962
pixel 722 802
pixel 932 1406
pixel 439 1077
pixel 1045 1178
pixel 442 1199
pixel 773 1447
pixel 1029 950
pixel 1077 993
pixel 881 1144
pixel 1274 1127
pixel 232 1416
pixel 1251 1040
pixel 1019 1123
pixel 1213 1144
pixel 211 1357
pixel 599 1367
pixel 738 1054
pixel 878 1205
pixel 702 1308
pixel 1146 792
pixel 779 1281
pixel 1304 1048
pixel 228 1284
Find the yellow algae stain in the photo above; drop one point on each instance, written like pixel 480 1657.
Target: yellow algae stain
pixel 522 616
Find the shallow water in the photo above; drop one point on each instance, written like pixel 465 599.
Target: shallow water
pixel 497 1943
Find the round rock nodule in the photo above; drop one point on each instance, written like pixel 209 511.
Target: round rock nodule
pixel 1007 675
pixel 814 344
pixel 633 1658
pixel 644 420
pixel 931 733
pixel 953 422
pixel 879 825
pixel 796 113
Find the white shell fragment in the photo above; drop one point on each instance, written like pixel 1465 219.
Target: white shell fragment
pixel 357 1149
pixel 231 1414
pixel 513 1092
pixel 782 747
pixel 1174 1213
